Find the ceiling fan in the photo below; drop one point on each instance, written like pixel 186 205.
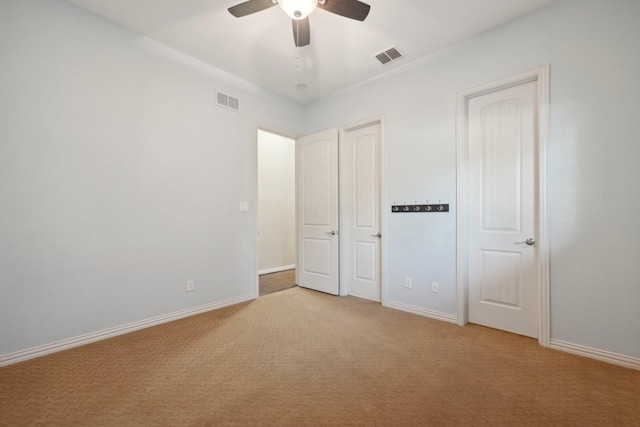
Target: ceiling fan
pixel 299 11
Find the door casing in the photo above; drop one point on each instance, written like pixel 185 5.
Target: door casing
pixel 342 131
pixel 541 77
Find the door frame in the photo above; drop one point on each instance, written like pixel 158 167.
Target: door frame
pixel 342 131
pixel 541 76
pixel 342 153
pixel 256 210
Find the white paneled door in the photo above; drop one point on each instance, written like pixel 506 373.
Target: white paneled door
pixel 317 201
pixel 361 234
pixel 503 275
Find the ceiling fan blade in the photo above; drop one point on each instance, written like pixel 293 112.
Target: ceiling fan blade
pixel 249 7
pixel 353 9
pixel 301 32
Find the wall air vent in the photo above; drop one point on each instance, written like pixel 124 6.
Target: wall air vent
pixel 387 56
pixel 227 101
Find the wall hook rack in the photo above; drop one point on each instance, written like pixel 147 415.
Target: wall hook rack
pixel 417 207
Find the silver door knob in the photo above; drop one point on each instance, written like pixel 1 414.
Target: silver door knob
pixel 332 233
pixel 379 235
pixel 529 242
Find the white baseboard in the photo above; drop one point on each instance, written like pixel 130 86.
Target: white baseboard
pixel 593 353
pixel 32 353
pixel 450 318
pixel 276 269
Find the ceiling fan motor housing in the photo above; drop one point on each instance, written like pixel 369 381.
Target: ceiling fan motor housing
pixel 298 9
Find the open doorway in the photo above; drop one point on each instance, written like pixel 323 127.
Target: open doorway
pixel 276 212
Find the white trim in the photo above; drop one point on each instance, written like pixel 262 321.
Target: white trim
pixel 593 353
pixel 276 269
pixel 342 203
pixel 541 75
pixel 544 329
pixel 32 353
pixel 342 132
pixel 383 213
pixel 449 318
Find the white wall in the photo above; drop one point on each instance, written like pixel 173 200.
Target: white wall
pixel 120 178
pixel 592 48
pixel 276 201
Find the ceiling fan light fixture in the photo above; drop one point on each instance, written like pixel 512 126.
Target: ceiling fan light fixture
pixel 298 9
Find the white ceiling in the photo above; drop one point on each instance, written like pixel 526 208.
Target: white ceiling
pixel 259 48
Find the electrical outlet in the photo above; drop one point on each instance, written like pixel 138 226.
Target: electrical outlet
pixel 408 282
pixel 189 285
pixel 435 287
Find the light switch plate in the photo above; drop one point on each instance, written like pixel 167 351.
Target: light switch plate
pixel 244 207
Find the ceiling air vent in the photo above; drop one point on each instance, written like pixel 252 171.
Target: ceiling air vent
pixel 227 101
pixel 388 55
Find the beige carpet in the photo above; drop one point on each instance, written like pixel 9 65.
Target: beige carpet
pixel 298 357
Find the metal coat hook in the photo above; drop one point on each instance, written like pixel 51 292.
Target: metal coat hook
pixel 440 208
pixel 406 207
